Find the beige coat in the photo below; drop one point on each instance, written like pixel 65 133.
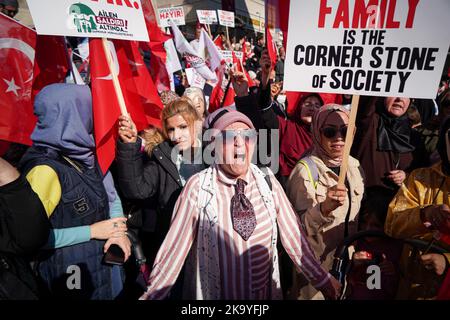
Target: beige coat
pixel 324 233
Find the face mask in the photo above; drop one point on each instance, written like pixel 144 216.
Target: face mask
pixel 281 98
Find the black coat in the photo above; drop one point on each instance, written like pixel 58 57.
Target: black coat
pixel 24 228
pixel 157 179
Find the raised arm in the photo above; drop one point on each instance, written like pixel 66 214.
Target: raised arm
pixel 136 181
pixel 296 244
pixel 175 248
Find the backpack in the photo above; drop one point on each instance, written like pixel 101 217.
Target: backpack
pixel 311 168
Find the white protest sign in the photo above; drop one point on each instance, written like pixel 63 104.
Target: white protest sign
pixel 89 18
pixel 226 18
pixel 384 48
pixel 176 14
pixel 207 16
pixel 194 78
pixel 227 55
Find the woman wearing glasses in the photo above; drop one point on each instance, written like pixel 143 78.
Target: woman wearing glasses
pixel 328 212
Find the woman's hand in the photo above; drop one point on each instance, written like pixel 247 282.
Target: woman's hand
pixel 103 230
pixel 397 176
pixel 127 129
pixel 123 242
pixel 332 289
pixel 335 198
pixel 438 216
pixel 239 81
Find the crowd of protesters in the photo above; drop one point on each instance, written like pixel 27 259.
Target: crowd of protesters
pixel 228 227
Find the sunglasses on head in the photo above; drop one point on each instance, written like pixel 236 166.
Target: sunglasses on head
pixel 331 132
pixel 232 134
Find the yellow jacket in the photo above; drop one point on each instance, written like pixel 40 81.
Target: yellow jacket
pixel 424 186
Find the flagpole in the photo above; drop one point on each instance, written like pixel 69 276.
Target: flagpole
pixel 348 140
pixel 209 31
pixel 69 61
pixel 226 92
pixel 228 38
pixel 115 79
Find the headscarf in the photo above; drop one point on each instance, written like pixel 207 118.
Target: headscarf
pixel 12 3
pixel 319 119
pixel 442 146
pixel 295 137
pixel 298 108
pixel 168 96
pixel 393 133
pixel 64 123
pixel 192 93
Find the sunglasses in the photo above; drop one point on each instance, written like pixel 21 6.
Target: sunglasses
pixel 228 135
pixel 312 105
pixel 331 132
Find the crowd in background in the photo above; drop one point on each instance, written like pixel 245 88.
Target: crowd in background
pixel 159 226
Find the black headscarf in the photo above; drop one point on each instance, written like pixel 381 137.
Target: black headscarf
pixel 393 133
pixel 442 146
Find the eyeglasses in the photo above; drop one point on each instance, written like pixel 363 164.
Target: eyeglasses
pixel 312 105
pixel 331 132
pixel 228 135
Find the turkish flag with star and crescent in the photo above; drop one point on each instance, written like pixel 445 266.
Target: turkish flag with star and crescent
pixel 17 43
pixel 28 63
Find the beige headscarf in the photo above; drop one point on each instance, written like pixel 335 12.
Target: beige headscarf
pixel 318 120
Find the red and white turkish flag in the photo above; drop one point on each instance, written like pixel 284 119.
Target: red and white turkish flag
pixel 160 74
pixel 17 43
pixel 219 42
pixel 51 63
pixel 241 68
pixel 140 95
pixel 271 48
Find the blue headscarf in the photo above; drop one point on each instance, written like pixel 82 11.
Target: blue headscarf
pixel 64 123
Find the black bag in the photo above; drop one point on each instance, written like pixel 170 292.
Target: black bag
pixel 17 281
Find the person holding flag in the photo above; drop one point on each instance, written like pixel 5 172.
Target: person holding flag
pixel 173 161
pixel 81 203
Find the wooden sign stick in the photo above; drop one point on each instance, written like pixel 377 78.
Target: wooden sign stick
pixel 115 79
pixel 348 140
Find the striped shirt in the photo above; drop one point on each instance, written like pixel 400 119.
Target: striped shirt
pixel 245 266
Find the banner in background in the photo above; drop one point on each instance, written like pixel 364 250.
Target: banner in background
pixel 386 48
pixel 226 18
pixel 174 14
pixel 194 78
pixel 83 18
pixel 207 16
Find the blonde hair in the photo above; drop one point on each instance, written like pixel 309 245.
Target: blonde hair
pixel 152 137
pixel 182 107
